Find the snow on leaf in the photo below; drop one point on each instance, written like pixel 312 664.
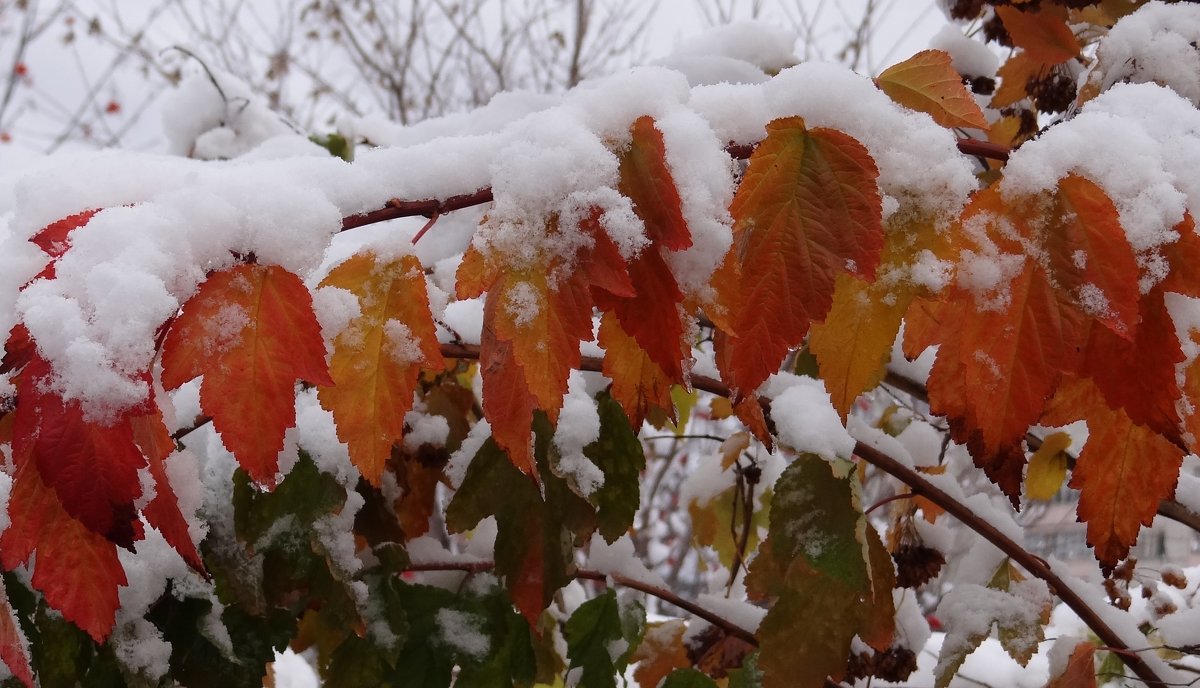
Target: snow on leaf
pixel 808 209
pixel 91 467
pixel 1044 34
pixel 618 453
pixel 646 180
pixel 660 652
pixel 378 358
pixel 13 652
pixel 1080 671
pixel 1123 472
pixel 55 238
pixel 927 82
pixel 163 511
pixel 814 565
pixel 594 633
pixel 251 332
pixel 533 544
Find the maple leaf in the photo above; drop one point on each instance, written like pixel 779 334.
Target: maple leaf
pixel 91 466
pixel 639 384
pixel 55 238
pixel 1000 361
pixel 378 358
pixel 808 209
pixel 12 647
pixel 1044 34
pixel 1123 472
pixel 619 455
pixel 251 332
pixel 926 82
pixel 77 570
pixel 660 652
pixel 1015 75
pixel 814 564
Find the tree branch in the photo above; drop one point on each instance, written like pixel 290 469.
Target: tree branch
pixel 589 574
pixel 397 208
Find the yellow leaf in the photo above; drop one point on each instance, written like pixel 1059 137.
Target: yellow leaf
pixel 926 82
pixel 1047 467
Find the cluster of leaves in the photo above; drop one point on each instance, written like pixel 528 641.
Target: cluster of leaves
pixel 809 267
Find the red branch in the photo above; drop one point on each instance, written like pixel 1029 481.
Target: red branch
pixel 431 207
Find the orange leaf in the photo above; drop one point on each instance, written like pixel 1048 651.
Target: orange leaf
pixel 507 402
pixel 1183 255
pixel 1044 34
pixel 1015 75
pixel 251 332
pixel 808 209
pixel 646 180
pixel 639 384
pixel 1080 671
pixel 660 652
pixel 854 343
pixel 378 358
pixel 77 570
pixel 12 647
pixel 163 511
pixel 1122 474
pixel 926 82
pixel 92 467
pixel 652 317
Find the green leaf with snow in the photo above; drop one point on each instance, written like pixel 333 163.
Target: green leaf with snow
pixel 814 566
pixel 601 635
pixel 536 533
pixel 618 454
pixel 1019 608
pixel 305 495
pixel 510 660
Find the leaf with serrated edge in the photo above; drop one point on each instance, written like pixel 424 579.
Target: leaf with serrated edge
pixel 251 332
pixel 1122 474
pixel 1047 467
pixel 618 453
pixel 926 82
pixel 1044 34
pixel 163 511
pixel 597 626
pixel 1080 671
pixel 660 652
pixel 378 358
pixel 12 646
pixel 808 209
pixel 639 384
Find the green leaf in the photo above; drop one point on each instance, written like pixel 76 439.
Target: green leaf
pixel 535 536
pixel 601 636
pixel 688 678
pixel 814 565
pixel 357 662
pixel 306 494
pixel 618 454
pixel 511 658
pixel 748 676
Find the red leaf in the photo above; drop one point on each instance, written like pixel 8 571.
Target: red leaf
pixel 639 384
pixel 77 570
pixel 807 210
pixel 92 467
pixel 12 646
pixel 251 332
pixel 55 238
pixel 646 180
pixel 163 511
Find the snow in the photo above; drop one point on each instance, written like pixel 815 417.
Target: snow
pixel 971 610
pixel 620 558
pixel 1181 629
pixel 1156 44
pixel 765 45
pixel 460 460
pixel 805 418
pixel 463 632
pixel 578 426
pixel 970 57
pixel 425 428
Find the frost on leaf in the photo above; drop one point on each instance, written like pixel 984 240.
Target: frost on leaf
pixel 378 357
pixel 251 332
pixel 807 210
pixel 601 636
pixel 927 82
pixel 1018 608
pixel 817 568
pixel 13 652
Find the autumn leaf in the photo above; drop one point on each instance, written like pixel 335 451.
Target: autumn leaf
pixel 619 455
pixel 163 511
pixel 55 238
pixel 251 332
pixel 660 652
pixel 808 209
pixel 1015 75
pixel 378 358
pixel 647 181
pixel 1122 474
pixel 1080 671
pixel 76 570
pixel 926 82
pixel 92 466
pixel 1047 467
pixel 13 652
pixel 639 384
pixel 1044 34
